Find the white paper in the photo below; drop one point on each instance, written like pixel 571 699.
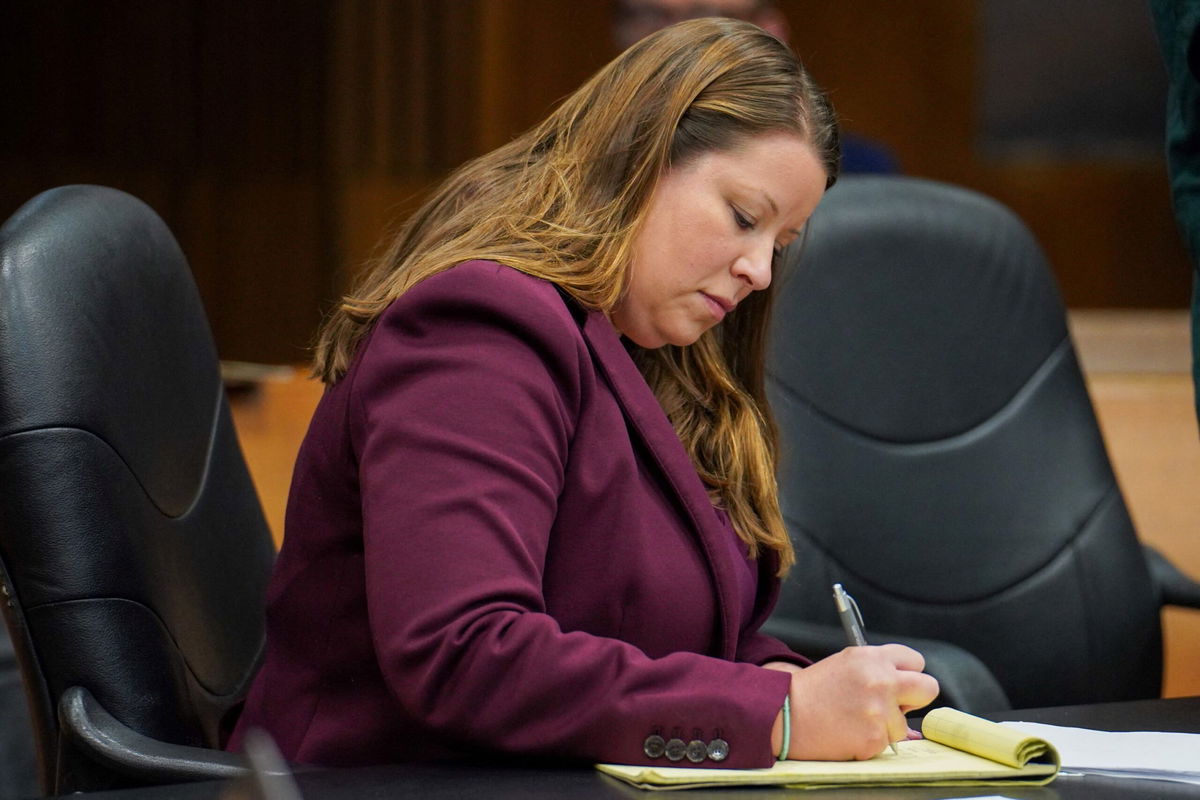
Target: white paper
pixel 1139 754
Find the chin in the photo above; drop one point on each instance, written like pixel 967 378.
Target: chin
pixel 655 339
pixel 685 339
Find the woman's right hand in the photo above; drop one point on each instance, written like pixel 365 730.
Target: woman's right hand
pixel 851 705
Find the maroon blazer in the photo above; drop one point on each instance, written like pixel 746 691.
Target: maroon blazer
pixel 496 543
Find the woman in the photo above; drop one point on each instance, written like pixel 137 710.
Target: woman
pixel 535 512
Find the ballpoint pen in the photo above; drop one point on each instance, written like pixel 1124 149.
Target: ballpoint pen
pixel 852 624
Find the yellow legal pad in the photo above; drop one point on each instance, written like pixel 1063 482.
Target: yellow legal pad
pixel 958 750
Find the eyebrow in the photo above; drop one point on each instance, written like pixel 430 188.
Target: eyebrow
pixel 775 209
pixel 770 201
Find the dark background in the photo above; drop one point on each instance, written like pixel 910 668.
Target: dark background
pixel 281 138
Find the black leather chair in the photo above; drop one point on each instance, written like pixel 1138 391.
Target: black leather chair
pixel 942 460
pixel 134 552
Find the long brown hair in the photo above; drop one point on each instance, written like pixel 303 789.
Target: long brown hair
pixel 563 203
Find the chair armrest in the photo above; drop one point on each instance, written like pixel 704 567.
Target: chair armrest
pixel 101 736
pixel 811 639
pixel 966 684
pixel 1175 588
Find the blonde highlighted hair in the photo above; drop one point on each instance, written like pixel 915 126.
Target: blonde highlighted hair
pixel 564 201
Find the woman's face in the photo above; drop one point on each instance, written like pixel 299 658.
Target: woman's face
pixel 710 235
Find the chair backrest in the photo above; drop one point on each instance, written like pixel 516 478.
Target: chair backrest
pixel 941 457
pixel 132 542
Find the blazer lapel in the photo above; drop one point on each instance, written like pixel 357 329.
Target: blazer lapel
pixel 648 420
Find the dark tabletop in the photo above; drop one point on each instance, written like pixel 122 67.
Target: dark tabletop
pixel 502 781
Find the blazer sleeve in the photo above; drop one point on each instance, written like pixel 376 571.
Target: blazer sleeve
pixel 759 648
pixel 462 416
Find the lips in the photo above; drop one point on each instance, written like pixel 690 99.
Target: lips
pixel 719 305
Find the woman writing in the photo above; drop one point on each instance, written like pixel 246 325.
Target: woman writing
pixel 535 511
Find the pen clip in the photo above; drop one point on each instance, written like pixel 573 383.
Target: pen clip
pixel 851 617
pixel 854 609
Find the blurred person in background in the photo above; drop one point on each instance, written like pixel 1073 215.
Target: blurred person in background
pixel 635 19
pixel 1178 24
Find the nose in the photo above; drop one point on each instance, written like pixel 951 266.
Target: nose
pixel 754 268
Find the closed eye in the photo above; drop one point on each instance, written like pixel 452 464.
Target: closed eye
pixel 743 222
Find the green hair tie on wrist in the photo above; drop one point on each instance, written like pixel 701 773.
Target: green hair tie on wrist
pixel 787 729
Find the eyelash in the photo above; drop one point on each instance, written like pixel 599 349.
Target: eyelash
pixel 745 223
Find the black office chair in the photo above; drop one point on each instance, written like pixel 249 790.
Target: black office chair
pixel 942 460
pixel 133 551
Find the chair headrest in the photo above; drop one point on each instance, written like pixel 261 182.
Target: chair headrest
pixel 101 328
pixel 912 310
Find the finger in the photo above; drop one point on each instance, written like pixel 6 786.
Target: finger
pixel 876 743
pixel 903 657
pixel 897 727
pixel 889 731
pixel 915 690
pixel 886 726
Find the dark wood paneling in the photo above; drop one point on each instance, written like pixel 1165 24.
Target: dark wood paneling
pixel 420 87
pixel 281 140
pixel 901 75
pixel 212 111
pixel 909 76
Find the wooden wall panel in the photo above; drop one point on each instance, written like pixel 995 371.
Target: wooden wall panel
pixel 421 87
pixel 281 140
pixel 907 76
pixel 537 52
pixel 902 75
pixel 212 111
